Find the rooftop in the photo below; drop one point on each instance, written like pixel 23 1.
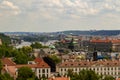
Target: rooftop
pixel 59 78
pixel 84 63
pixel 8 62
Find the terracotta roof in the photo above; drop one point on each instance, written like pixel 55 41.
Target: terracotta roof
pixel 115 41
pixel 89 63
pixel 59 78
pixel 105 41
pixel 100 41
pixel 39 64
pixel 8 61
pixel 26 65
pixel 38 60
pixel 33 66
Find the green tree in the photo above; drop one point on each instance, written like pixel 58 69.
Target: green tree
pixel 25 73
pixel 55 58
pixel 5 39
pixel 36 45
pixel 84 75
pixel 6 76
pixel 21 58
pixel 108 77
pixel 26 49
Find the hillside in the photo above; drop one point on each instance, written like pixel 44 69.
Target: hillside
pixel 5 39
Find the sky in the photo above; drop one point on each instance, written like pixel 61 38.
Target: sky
pixel 59 15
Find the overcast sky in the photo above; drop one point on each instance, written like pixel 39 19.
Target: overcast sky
pixel 59 15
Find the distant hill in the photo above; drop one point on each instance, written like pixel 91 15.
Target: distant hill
pixel 106 32
pixel 99 32
pixel 73 32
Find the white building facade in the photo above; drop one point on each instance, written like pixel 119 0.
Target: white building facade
pixel 101 67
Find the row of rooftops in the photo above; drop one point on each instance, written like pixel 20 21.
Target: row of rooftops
pixel 11 67
pixel 94 39
pixel 105 40
pixel 87 63
pixel 39 63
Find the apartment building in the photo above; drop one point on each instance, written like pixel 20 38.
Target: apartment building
pixel 103 45
pixel 38 66
pixel 102 67
pixel 116 45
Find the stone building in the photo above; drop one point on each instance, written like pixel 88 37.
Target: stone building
pixel 102 67
pixel 38 66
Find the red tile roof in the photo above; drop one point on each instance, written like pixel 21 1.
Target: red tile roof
pixel 26 65
pixel 59 78
pixel 89 63
pixel 38 60
pixel 100 41
pixel 105 41
pixel 115 41
pixel 42 64
pixel 39 64
pixel 8 62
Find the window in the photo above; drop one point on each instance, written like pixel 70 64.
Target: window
pixel 47 76
pixel 108 68
pixel 61 69
pixel 64 69
pixel 90 69
pixel 39 76
pixel 115 63
pixel 76 69
pixel 104 68
pixel 43 70
pixel 111 68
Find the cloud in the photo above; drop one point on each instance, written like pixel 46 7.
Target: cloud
pixel 51 14
pixel 8 8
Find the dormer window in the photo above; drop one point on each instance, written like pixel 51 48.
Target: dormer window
pixel 115 63
pixel 71 64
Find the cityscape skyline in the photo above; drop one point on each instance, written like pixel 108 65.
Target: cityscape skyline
pixel 59 15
